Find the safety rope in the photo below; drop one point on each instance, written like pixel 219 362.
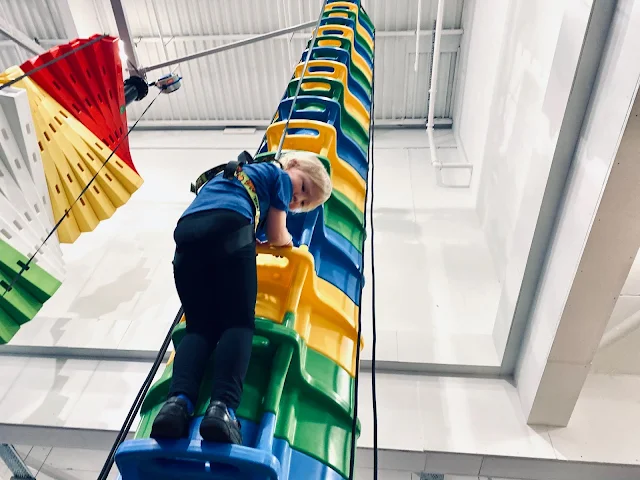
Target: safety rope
pixel 371 162
pixel 137 402
pixel 304 70
pixel 374 329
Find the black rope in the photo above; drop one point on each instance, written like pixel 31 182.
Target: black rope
pixel 137 403
pixel 51 62
pixel 359 338
pixel 25 266
pixel 374 335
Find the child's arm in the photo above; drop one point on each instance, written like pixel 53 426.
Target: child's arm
pixel 276 228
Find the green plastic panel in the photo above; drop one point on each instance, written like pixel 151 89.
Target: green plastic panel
pixel 8 327
pixel 35 280
pixel 310 395
pixel 20 304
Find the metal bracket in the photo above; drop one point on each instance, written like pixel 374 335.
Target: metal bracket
pixel 133 66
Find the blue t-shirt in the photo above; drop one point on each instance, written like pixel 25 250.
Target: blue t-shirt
pixel 273 187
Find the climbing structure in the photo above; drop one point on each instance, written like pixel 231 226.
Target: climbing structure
pixel 297 410
pixel 58 127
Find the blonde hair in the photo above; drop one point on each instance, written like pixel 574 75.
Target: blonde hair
pixel 310 164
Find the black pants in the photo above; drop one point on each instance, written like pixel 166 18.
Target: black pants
pixel 218 292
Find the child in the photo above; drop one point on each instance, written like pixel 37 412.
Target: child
pixel 216 279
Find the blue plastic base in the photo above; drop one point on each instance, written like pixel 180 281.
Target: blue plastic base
pixel 262 457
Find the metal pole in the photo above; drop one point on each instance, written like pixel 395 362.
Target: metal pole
pixel 435 62
pixel 229 46
pixel 304 70
pixel 13 461
pixel 135 89
pixel 415 65
pixel 19 37
pixel 125 37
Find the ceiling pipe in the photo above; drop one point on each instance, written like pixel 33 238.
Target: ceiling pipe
pixel 620 331
pixel 435 62
pixel 415 65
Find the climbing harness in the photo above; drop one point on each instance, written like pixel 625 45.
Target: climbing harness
pixel 232 170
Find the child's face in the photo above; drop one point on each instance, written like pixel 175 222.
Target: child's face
pixel 303 189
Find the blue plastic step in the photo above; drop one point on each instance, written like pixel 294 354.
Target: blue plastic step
pixel 267 458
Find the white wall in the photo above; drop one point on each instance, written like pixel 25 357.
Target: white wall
pixel 508 125
pixel 619 352
pixel 512 112
pixel 484 25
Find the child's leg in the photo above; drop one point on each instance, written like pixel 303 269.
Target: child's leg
pixel 200 286
pixel 234 349
pixel 192 354
pixel 231 363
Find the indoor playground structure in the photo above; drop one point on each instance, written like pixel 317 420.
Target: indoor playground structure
pixel 66 166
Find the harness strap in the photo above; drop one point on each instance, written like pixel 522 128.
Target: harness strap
pixel 251 190
pixel 231 170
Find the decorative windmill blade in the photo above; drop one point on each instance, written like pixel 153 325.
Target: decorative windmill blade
pixel 58 127
pixel 88 84
pixel 77 106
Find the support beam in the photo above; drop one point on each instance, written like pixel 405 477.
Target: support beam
pixel 218 124
pixel 230 46
pixel 133 66
pixel 611 246
pixel 68 20
pixel 450 38
pixel 597 229
pixel 19 37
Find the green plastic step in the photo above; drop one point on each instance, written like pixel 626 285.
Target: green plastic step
pixel 354 70
pixel 335 90
pixel 310 395
pixel 362 15
pixel 359 38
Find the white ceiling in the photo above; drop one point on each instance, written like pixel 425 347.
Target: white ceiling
pixel 619 352
pixel 243 86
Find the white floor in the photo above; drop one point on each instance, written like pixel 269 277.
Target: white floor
pixel 436 291
pixel 73 464
pixel 448 424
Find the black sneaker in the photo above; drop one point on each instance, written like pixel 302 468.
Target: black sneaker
pixel 172 420
pixel 219 426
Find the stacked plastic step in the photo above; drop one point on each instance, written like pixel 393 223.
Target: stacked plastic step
pixel 57 128
pixel 297 410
